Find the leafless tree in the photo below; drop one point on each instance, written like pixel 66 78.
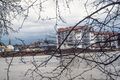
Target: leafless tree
pixel 102 61
pixel 10 9
pixel 82 64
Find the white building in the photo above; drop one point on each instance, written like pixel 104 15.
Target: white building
pixel 86 37
pixel 10 48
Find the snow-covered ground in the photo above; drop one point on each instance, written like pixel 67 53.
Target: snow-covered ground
pixel 20 68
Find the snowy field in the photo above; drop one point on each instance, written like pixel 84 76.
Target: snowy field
pixel 21 65
pixel 19 70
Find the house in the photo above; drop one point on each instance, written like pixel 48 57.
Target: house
pixel 86 37
pixel 42 45
pixel 76 37
pixel 105 40
pixel 9 48
pixel 2 47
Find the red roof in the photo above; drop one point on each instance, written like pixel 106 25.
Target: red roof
pixel 76 28
pixel 88 28
pixel 105 33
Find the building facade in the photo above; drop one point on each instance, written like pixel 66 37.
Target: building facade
pixel 86 37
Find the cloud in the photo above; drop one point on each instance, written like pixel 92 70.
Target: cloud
pixel 34 28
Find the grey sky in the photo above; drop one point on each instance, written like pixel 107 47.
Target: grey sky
pixel 34 28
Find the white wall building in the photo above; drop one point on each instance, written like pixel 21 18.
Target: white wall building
pixel 86 37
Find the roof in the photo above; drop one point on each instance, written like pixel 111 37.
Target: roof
pixel 76 28
pixel 91 29
pixel 106 33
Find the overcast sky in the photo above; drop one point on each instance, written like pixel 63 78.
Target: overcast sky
pixel 34 29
